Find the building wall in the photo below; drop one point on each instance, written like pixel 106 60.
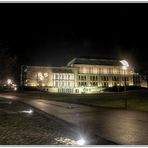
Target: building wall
pixel 53 79
pixel 79 78
pixel 103 76
pixel 38 76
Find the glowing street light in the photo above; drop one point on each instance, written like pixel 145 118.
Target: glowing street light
pixel 125 66
pixel 9 81
pixel 81 142
pixel 15 88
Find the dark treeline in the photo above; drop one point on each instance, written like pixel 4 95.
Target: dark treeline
pixel 10 65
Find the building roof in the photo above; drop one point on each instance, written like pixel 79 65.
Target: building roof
pixel 62 70
pixel 53 69
pixel 95 61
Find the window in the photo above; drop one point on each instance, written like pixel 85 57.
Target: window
pixel 93 78
pixel 79 78
pixel 79 84
pixel 56 84
pixel 62 76
pixel 95 83
pixel 105 84
pixel 123 78
pixel 102 78
pixel 72 76
pixel 90 77
pixel 57 76
pixel 68 76
pixel 127 78
pixel 82 78
pixel 114 78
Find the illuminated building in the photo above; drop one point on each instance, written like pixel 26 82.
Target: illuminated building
pixel 81 75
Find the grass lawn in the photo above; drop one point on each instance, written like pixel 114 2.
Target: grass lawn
pixel 18 128
pixel 137 99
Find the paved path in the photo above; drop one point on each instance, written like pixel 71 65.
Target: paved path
pixel 119 126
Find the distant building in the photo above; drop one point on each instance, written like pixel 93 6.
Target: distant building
pixel 81 75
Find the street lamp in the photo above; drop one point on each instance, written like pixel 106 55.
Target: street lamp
pixel 9 81
pixel 125 65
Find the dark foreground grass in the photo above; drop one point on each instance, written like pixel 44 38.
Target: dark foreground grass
pixel 137 99
pixel 17 128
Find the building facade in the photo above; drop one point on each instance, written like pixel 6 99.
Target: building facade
pixel 81 75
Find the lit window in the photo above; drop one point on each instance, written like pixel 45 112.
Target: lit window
pixel 56 84
pixel 62 76
pixel 62 83
pixel 72 76
pixel 90 77
pixel 57 76
pixel 68 76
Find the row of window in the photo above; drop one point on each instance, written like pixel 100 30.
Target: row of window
pixel 104 84
pixel 63 84
pixel 82 77
pixel 63 90
pixel 104 78
pixel 93 83
pixel 63 76
pixel 104 70
pixel 82 83
pixel 93 78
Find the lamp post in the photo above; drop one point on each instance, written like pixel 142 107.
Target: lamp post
pixel 125 98
pixel 21 77
pixel 125 65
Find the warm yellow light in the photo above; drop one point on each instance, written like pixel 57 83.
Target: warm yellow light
pixel 33 84
pixel 124 67
pixel 40 76
pixel 110 85
pixel 43 84
pixel 45 74
pixel 9 81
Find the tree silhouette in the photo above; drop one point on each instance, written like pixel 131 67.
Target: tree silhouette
pixel 8 65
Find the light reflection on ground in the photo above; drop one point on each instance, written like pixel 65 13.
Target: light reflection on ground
pixel 65 141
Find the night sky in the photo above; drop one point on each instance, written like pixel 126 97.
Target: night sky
pixel 53 34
